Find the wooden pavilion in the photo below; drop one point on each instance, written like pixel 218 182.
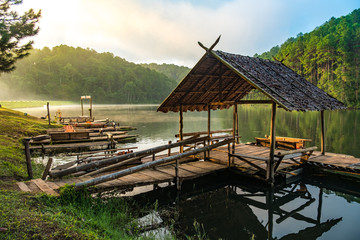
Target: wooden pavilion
pixel 221 80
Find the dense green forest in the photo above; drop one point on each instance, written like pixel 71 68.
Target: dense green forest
pixel 170 70
pixel 66 73
pixel 328 57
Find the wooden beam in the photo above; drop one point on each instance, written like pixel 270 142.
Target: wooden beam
pixel 254 102
pixel 270 165
pixel 322 132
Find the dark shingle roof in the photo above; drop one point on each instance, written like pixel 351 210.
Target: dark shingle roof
pixel 222 79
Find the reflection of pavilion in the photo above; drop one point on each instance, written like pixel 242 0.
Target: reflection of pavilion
pixel 229 213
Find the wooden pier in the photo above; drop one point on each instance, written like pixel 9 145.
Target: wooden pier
pixel 178 167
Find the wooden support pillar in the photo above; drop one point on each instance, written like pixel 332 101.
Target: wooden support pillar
pixel 322 132
pixel 181 126
pixel 237 125
pixel 48 112
pixel 234 127
pixel 207 154
pixel 270 165
pixel 26 142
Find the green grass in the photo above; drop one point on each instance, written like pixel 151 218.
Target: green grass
pixel 28 104
pixel 14 126
pixel 73 215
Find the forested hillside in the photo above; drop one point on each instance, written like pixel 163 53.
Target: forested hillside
pixel 328 57
pixel 170 70
pixel 66 73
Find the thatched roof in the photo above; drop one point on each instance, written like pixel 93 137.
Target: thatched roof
pixel 220 80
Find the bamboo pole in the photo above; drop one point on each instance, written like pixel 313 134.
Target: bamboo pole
pixel 147 165
pixel 322 132
pixel 270 165
pixel 120 158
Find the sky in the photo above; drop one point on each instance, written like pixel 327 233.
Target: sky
pixel 167 31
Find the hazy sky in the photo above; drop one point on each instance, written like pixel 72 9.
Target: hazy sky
pixel 168 30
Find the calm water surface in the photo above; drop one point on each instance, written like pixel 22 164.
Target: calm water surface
pixel 311 209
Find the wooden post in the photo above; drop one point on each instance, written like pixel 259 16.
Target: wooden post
pixel 181 126
pixel 322 132
pixel 234 128
pixel 26 142
pixel 177 175
pixel 237 125
pixel 82 106
pixel 48 112
pixel 47 169
pixel 208 132
pixel 90 108
pixel 270 165
pixel 169 150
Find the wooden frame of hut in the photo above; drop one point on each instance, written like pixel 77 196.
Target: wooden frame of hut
pixel 221 80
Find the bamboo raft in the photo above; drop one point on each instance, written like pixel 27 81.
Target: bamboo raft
pixel 178 167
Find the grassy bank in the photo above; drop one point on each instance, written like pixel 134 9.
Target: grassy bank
pixel 28 104
pixel 74 215
pixel 14 126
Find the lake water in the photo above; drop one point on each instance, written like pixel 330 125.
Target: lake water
pixel 237 208
pixel 342 133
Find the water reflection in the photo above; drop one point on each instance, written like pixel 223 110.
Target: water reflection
pixel 243 210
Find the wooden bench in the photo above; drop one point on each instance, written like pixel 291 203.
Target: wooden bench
pixel 283 142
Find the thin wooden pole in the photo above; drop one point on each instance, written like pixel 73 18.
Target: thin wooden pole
pixel 270 165
pixel 322 133
pixel 48 112
pixel 26 142
pixel 181 126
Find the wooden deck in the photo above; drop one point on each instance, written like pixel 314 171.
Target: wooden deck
pixel 161 174
pixel 192 167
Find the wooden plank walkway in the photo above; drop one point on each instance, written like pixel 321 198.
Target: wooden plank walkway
pixel 161 174
pixel 190 168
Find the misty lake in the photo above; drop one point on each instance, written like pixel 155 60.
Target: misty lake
pixel 232 207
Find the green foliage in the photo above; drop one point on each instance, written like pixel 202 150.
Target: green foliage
pixel 328 57
pixel 65 73
pixel 13 29
pixel 172 71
